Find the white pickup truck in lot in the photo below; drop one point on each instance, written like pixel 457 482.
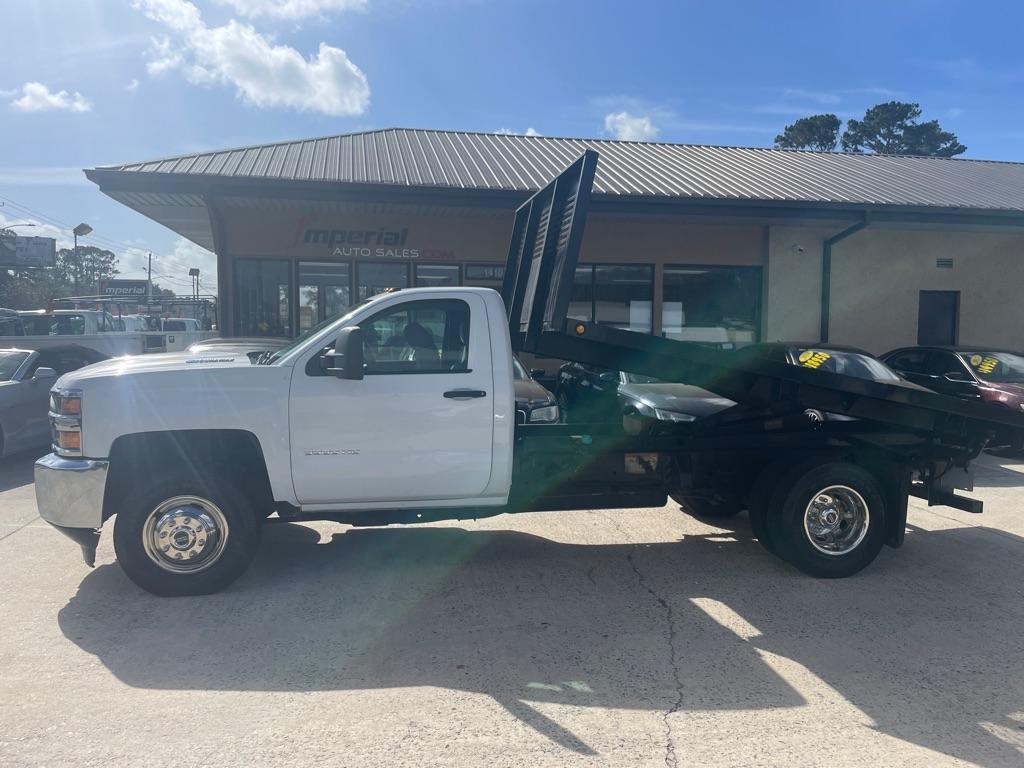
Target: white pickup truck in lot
pixel 403 411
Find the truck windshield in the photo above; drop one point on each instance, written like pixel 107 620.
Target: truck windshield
pixel 9 364
pixel 270 358
pixel 1001 367
pixel 845 362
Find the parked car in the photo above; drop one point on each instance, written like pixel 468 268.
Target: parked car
pixel 972 373
pixel 10 323
pixel 179 324
pixel 25 380
pixel 67 322
pixel 642 403
pixel 536 404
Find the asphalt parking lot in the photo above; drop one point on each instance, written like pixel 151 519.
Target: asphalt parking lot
pixel 605 637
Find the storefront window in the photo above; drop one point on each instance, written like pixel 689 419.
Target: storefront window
pixel 374 278
pixel 619 295
pixel 484 275
pixel 263 298
pixel 718 305
pixel 325 289
pixel 436 275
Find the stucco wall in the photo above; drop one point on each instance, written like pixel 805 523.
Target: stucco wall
pixel 876 278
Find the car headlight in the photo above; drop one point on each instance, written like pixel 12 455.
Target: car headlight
pixel 545 414
pixel 663 415
pixel 66 421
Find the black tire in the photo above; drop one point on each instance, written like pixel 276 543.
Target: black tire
pixel 792 537
pixel 243 524
pixel 762 498
pixel 703 507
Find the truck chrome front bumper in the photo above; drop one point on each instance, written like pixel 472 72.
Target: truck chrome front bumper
pixel 69 494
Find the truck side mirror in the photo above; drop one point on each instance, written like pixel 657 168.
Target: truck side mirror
pixel 346 360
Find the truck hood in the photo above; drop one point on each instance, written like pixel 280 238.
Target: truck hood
pixel 158 362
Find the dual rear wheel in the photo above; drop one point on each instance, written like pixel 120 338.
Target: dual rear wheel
pixel 828 520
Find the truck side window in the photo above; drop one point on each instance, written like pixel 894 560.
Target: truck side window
pixel 429 336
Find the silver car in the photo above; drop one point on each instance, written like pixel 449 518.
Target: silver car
pixel 25 380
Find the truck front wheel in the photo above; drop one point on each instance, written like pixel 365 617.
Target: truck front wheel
pixel 186 537
pixel 831 520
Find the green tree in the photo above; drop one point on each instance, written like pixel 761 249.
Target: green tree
pixel 892 128
pixel 820 132
pixel 85 268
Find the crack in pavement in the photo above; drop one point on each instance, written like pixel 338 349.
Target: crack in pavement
pixel 670 748
pixel 19 528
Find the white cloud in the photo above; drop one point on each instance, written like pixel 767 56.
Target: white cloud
pixel 527 132
pixel 292 9
pixel 170 269
pixel 627 127
pixel 36 97
pixel 132 85
pixel 264 74
pixel 41 229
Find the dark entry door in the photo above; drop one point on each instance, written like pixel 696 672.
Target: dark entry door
pixel 938 317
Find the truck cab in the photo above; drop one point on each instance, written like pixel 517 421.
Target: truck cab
pixel 416 412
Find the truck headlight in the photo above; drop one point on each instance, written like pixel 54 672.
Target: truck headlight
pixel 544 415
pixel 66 421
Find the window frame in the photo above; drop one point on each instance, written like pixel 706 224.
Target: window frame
pixel 292 293
pixel 313 365
pixel 592 267
pixel 759 305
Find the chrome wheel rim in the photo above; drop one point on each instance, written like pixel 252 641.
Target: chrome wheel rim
pixel 185 534
pixel 836 520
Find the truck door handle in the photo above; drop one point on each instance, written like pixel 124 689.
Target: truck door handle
pixel 464 394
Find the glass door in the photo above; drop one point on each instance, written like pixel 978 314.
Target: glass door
pixel 325 289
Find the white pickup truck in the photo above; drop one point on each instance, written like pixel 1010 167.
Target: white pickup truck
pixel 193 451
pixel 402 411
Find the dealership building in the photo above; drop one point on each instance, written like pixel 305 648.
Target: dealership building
pixel 714 244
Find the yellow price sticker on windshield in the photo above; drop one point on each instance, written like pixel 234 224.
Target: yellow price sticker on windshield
pixel 987 365
pixel 811 358
pixel 976 360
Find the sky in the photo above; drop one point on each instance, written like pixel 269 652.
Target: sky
pixel 92 82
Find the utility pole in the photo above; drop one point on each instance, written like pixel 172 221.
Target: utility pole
pixel 149 282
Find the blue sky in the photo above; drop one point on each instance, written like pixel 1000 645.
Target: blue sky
pixel 90 82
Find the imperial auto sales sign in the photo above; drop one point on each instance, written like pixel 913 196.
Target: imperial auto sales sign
pixel 27 252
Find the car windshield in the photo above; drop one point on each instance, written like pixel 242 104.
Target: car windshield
pixel 519 373
pixel 9 364
pixel 845 362
pixel 636 378
pixel 1002 367
pixel 269 359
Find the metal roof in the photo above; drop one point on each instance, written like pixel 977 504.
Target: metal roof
pixel 627 169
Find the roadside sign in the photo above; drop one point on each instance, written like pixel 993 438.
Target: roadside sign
pixel 27 252
pixel 118 287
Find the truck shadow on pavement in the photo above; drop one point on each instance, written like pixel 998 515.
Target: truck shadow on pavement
pixel 925 645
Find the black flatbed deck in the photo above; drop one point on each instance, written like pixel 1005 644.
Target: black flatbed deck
pixel 537 287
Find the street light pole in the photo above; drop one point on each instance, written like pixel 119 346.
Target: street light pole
pixel 82 229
